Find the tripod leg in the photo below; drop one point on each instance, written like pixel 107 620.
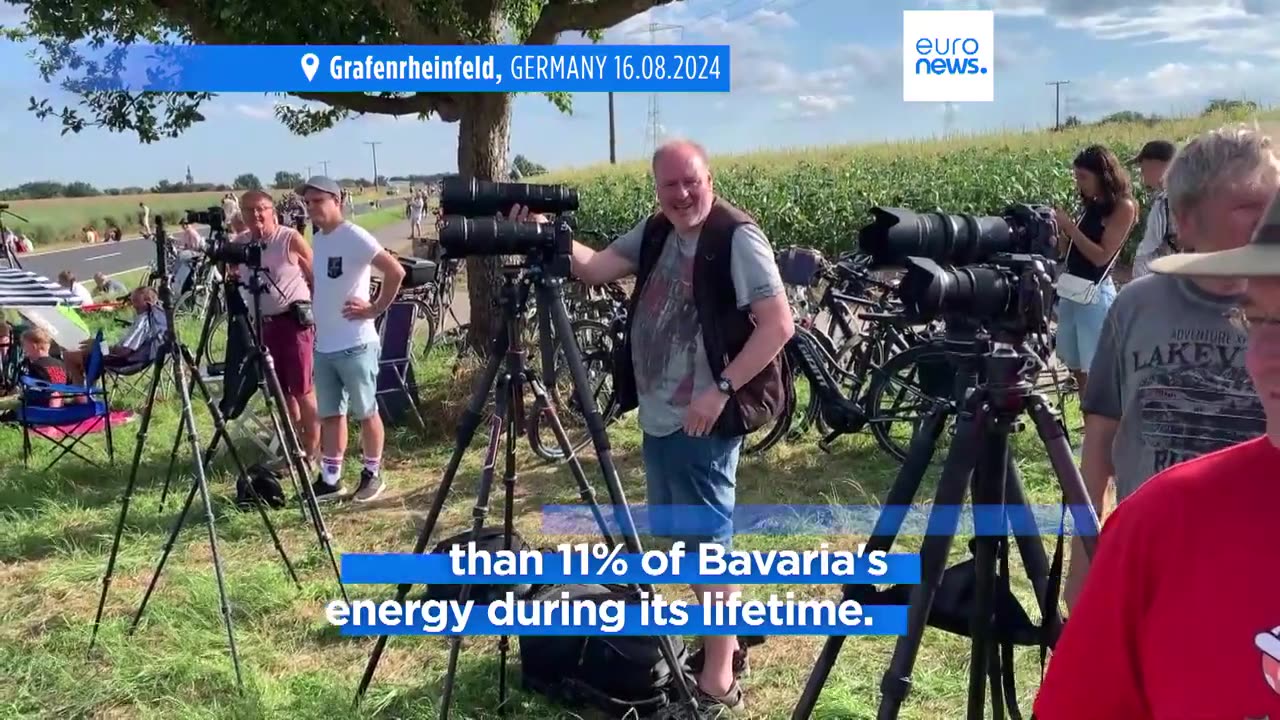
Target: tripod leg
pixel 553 302
pixel 467 426
pixel 508 523
pixel 220 432
pixel 953 484
pixel 173 464
pixel 988 491
pixel 1052 432
pixel 143 428
pixel 501 420
pixel 901 495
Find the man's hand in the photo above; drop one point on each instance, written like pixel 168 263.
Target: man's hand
pixel 357 309
pixel 704 411
pixel 520 213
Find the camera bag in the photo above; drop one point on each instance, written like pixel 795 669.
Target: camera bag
pixel 622 676
pixel 489 540
pixel 260 484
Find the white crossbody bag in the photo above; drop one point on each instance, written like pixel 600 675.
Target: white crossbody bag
pixel 1078 289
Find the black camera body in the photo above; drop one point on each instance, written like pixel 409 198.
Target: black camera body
pixel 993 271
pixel 213 217
pixel 221 250
pixel 470 226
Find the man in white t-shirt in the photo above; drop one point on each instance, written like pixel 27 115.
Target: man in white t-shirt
pixel 347 345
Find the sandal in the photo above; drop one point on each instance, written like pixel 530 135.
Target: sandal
pixel 717 705
pixel 741 663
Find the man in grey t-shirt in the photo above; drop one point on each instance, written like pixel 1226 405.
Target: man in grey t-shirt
pixel 686 464
pixel 1168 382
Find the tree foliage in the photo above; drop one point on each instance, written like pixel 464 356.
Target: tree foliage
pixel 247 181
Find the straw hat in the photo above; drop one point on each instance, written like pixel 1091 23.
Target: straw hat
pixel 1260 258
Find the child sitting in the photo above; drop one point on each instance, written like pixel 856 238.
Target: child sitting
pixel 38 364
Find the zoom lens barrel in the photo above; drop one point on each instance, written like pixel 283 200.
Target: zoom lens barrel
pixel 896 234
pixel 463 237
pixel 479 198
pixel 978 292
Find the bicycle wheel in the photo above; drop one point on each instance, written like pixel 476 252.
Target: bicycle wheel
pixel 903 391
pixel 595 342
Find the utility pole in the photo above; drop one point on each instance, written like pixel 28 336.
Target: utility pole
pixel 613 137
pixel 653 129
pixel 308 171
pixel 1057 101
pixel 325 163
pixel 374 146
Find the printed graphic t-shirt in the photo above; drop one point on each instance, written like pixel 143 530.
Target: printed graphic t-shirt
pixel 667 351
pixel 1170 368
pixel 1180 616
pixel 343 271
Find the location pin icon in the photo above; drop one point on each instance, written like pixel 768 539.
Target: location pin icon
pixel 309 65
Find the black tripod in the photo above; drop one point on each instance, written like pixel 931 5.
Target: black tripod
pixel 258 363
pixel 174 354
pixel 508 394
pixel 979 462
pixel 7 254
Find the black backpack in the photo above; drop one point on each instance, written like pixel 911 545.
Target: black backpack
pixel 623 676
pixel 490 540
pixel 263 482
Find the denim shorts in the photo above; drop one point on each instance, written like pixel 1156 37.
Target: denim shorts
pixel 1080 327
pixel 691 487
pixel 348 376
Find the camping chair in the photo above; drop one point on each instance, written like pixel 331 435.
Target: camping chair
pixel 395 369
pixel 67 426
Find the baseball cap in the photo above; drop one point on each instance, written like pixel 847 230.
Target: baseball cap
pixel 321 183
pixel 1162 150
pixel 1260 258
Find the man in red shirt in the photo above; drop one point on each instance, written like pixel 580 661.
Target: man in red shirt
pixel 1180 615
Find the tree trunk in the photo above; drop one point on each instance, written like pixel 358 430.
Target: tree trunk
pixel 484 132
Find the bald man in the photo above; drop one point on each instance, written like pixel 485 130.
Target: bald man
pixel 707 323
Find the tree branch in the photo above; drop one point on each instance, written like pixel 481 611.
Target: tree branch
pixel 562 16
pixel 445 106
pixel 409 25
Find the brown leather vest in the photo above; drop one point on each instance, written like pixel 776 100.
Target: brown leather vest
pixel 725 327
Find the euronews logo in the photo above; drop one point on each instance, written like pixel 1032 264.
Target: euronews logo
pixel 947 56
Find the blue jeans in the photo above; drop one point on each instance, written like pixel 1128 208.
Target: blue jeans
pixel 691 487
pixel 349 375
pixel 1080 327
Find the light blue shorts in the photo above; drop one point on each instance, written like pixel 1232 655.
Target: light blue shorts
pixel 1080 327
pixel 691 487
pixel 348 376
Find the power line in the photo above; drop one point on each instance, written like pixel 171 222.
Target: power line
pixel 653 126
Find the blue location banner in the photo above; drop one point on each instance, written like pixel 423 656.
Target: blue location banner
pixel 655 566
pixel 402 68
pixel 773 617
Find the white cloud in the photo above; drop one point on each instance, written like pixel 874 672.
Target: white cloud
pixel 1180 87
pixel 257 112
pixel 771 19
pixel 814 106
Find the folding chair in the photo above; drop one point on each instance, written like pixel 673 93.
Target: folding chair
pixel 395 367
pixel 67 426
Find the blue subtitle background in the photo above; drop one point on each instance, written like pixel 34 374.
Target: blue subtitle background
pixel 278 68
pixel 395 568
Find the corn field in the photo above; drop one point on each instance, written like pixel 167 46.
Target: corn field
pixel 820 197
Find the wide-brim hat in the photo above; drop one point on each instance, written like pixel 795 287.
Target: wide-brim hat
pixel 1260 258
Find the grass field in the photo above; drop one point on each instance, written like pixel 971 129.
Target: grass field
pixel 820 197
pixel 57 222
pixel 56 531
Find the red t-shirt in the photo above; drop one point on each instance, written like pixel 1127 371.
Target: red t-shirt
pixel 1180 617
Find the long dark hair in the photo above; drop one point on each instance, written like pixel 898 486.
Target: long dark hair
pixel 1112 176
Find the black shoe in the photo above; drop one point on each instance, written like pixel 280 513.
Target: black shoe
pixel 324 491
pixel 370 487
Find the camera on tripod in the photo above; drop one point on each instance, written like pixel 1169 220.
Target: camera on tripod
pixel 213 217
pixel 994 270
pixel 469 227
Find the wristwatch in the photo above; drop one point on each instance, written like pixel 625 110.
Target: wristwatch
pixel 724 385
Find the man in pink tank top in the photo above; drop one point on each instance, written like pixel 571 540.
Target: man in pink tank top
pixel 287 331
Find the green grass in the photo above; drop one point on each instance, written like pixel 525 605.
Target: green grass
pixel 56 531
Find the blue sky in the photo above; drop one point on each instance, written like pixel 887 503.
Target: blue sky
pixel 805 72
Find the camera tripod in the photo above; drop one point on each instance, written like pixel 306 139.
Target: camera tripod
pixel 175 355
pixel 507 357
pixel 978 461
pixel 7 254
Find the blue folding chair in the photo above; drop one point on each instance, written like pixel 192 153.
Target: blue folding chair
pixel 36 420
pixel 397 387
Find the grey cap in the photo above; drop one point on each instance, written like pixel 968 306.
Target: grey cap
pixel 321 183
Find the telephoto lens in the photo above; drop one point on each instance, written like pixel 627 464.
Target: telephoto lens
pixel 463 237
pixel 896 234
pixel 978 292
pixel 480 198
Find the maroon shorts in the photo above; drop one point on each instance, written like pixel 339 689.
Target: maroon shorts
pixel 290 346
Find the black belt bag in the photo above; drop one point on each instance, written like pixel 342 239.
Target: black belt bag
pixel 302 313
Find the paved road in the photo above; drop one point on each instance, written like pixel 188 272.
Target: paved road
pixel 110 258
